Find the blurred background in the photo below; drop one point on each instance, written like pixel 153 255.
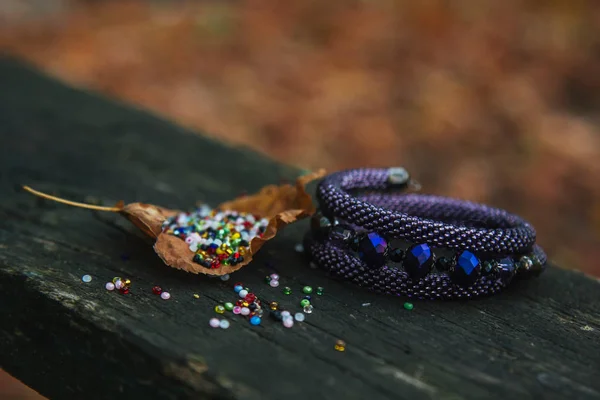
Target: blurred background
pixel 491 101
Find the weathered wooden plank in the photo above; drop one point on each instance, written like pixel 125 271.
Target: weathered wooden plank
pixel 68 339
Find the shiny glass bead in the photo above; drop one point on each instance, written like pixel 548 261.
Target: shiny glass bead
pixel 320 291
pixel 341 234
pixel 110 286
pixel 287 290
pixel 288 323
pixel 372 249
pixel 86 278
pixel 525 263
pixel 116 278
pixel 165 295
pixel 304 303
pixel 397 177
pixel 320 226
pixel 157 290
pixel 228 306
pixel 273 305
pixel 467 269
pixel 214 322
pixel 307 290
pixel 237 309
pixel 299 317
pixel 418 261
pixel 274 283
pixel 243 293
pixel 255 320
pixel 285 314
pixel 238 288
pixel 444 264
pixel 267 279
pixel 274 276
pixel 223 324
pixel 340 345
pixel 505 268
pixel 245 311
pixel 308 309
pixel 408 306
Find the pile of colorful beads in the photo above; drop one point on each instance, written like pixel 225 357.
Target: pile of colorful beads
pixel 216 237
pixel 122 285
pixel 248 305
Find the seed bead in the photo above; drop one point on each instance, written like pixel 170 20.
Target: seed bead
pixel 304 302
pixel 214 322
pixel 110 286
pixel 307 290
pixel 165 295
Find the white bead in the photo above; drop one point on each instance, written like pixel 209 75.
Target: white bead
pixel 110 286
pixel 245 311
pixel 215 323
pixel 225 277
pixel 285 314
pixel 243 293
pixel 288 323
pixel 274 283
pixel 299 317
pixel 118 284
pixel 86 278
pixel 165 295
pixel 224 324
pixel 218 242
pixel 194 247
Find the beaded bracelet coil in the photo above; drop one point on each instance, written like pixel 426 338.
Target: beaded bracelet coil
pixel 416 245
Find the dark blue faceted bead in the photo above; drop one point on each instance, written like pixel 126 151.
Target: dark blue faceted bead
pixel 341 234
pixel 467 269
pixel 372 248
pixel 418 261
pixel 506 269
pixel 320 226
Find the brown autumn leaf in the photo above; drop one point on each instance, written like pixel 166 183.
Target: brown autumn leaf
pixel 280 204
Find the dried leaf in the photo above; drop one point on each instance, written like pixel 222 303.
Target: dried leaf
pixel 280 204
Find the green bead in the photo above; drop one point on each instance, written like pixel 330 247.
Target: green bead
pixel 228 306
pixel 287 290
pixel 236 242
pixel 304 303
pixel 267 279
pixel 307 289
pixel 408 306
pixel 320 290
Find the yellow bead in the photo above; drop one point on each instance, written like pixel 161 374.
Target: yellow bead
pixel 242 251
pixel 223 247
pixel 127 282
pixel 219 251
pixel 229 251
pixel 205 235
pixel 340 345
pixel 236 236
pixel 219 309
pixel 196 296
pixel 245 304
pixel 273 305
pixel 117 278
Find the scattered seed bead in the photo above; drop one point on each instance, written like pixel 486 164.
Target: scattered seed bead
pixel 273 305
pixel 124 290
pixel 245 311
pixel 243 293
pixel 308 309
pixel 237 309
pixel 127 283
pixel 299 317
pixel 219 309
pixel 165 295
pixel 320 291
pixel 196 296
pixel 255 320
pixel 408 306
pixel 267 279
pixel 225 277
pixel 307 289
pixel 119 284
pixel 86 278
pixel 288 322
pixel 285 314
pixel 307 298
pixel 287 290
pixel 214 322
pixel 115 279
pixel 274 283
pixel 228 306
pixel 110 286
pixel 157 290
pixel 238 288
pixel 274 276
pixel 340 345
pixel 224 324
pixel 299 248
pixel 304 302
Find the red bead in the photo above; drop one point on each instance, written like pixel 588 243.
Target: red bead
pixel 221 257
pixel 215 264
pixel 124 290
pixel 239 302
pixel 247 225
pixel 238 284
pixel 157 290
pixel 250 297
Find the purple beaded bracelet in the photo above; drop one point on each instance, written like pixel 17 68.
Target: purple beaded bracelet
pixel 415 245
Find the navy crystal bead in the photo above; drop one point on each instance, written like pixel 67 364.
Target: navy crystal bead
pixel 467 269
pixel 418 261
pixel 372 248
pixel 505 269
